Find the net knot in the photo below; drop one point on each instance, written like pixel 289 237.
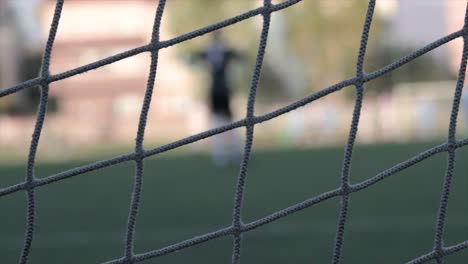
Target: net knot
pixel 237 230
pixel 451 146
pixel 44 81
pixel 139 154
pixel 153 46
pixel 29 185
pixel 128 260
pixel 360 80
pixel 250 120
pixel 345 189
pixel 439 253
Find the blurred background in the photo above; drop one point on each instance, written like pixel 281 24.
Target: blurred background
pixel 312 45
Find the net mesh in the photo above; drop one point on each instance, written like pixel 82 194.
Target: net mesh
pixel 237 228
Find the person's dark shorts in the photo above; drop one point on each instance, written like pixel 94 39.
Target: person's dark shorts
pixel 220 105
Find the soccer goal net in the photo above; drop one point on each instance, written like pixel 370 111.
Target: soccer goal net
pixel 238 227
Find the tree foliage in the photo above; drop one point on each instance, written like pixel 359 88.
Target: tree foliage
pixel 323 34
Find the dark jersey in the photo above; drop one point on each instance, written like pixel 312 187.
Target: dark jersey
pixel 218 58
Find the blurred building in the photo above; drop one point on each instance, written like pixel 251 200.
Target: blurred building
pixel 413 23
pixel 108 100
pixel 103 105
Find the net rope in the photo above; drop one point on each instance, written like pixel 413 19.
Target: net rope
pixel 238 227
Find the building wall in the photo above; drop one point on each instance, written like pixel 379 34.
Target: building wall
pixel 103 105
pixel 106 102
pixel 415 23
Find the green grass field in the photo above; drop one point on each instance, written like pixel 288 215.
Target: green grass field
pixel 82 219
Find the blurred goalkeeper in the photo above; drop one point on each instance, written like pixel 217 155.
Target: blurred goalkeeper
pixel 226 146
